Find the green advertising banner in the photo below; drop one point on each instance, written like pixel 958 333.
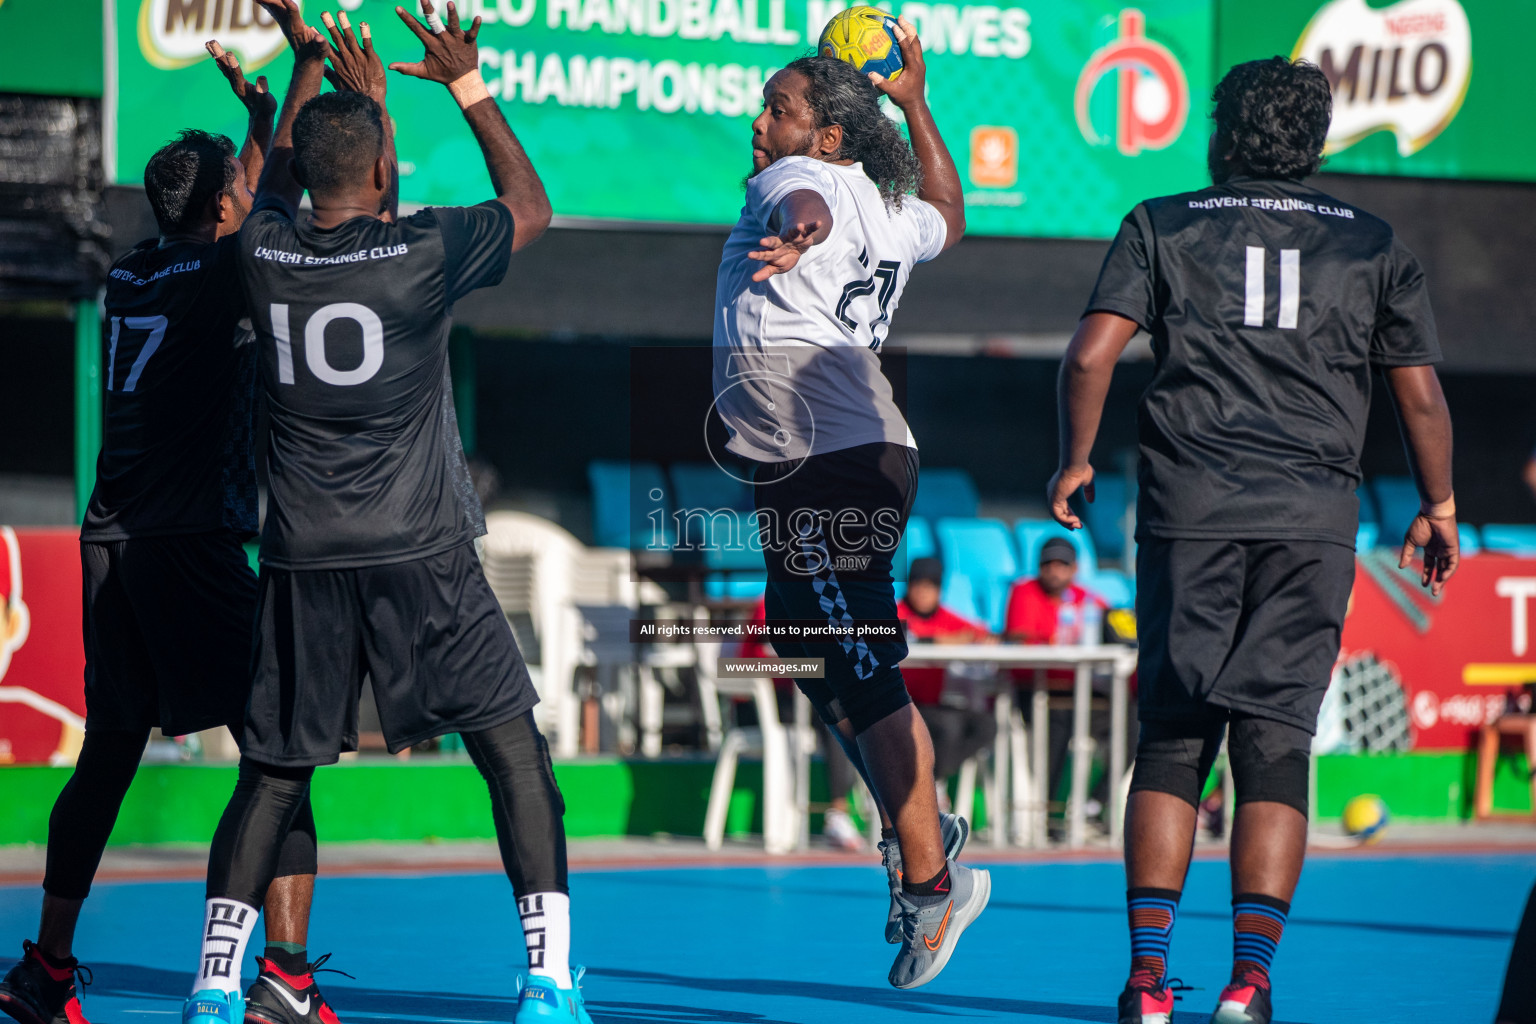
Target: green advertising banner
pixel 1061 116
pixel 1428 88
pixel 51 47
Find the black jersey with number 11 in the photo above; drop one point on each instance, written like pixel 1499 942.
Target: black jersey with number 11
pixel 352 322
pixel 1268 303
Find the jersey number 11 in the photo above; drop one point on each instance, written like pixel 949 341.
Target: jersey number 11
pixel 1290 287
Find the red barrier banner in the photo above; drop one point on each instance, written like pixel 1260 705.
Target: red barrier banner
pixel 1417 673
pixel 42 660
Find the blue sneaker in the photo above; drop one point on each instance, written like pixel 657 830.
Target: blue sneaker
pixel 542 1003
pixel 211 1006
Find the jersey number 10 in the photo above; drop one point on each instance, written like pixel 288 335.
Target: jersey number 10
pixel 314 343
pixel 1290 287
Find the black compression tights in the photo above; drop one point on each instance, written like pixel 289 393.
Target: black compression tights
pixel 87 809
pixel 525 803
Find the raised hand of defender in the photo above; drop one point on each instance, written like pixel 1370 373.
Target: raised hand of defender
pixel 908 86
pixel 780 253
pixel 1060 490
pixel 1441 542
pixel 258 99
pixel 451 54
pixel 355 67
pixel 306 41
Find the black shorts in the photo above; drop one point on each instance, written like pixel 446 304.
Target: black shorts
pixel 1253 626
pixel 167 630
pixel 852 505
pixel 428 633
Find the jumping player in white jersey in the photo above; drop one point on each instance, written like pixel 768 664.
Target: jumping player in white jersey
pixel 808 282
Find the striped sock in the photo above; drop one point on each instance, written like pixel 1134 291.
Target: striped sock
pixel 1151 913
pixel 1257 924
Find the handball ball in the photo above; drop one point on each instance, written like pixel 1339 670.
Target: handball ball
pixel 1365 818
pixel 864 37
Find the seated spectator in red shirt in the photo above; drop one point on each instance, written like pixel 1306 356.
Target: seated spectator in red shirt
pixel 1051 608
pixel 959 727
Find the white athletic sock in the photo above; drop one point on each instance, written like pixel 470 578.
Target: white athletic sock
pixel 227 928
pixel 546 918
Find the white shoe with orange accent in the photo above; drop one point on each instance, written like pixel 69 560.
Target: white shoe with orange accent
pixel 930 932
pixel 953 830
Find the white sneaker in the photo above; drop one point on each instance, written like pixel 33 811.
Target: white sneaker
pixel 841 832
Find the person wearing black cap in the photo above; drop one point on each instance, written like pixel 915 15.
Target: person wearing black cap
pixel 1052 608
pixel 959 728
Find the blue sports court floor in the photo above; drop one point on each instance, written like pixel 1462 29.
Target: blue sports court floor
pixel 1397 938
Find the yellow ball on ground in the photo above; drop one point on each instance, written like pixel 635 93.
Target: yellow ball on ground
pixel 1365 818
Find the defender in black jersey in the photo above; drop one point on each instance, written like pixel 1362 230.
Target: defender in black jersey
pixel 1270 305
pixel 169 597
pixel 369 568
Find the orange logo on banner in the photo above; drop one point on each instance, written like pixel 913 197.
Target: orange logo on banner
pixel 994 156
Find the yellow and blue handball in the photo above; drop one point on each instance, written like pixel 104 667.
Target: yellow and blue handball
pixel 1365 818
pixel 864 37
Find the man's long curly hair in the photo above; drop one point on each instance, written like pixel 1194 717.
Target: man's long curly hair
pixel 1272 117
pixel 840 95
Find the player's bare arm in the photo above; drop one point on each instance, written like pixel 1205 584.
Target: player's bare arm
pixel 1081 388
pixel 356 67
pixel 260 106
pixel 941 180
pixel 802 220
pixel 453 59
pixel 277 185
pixel 1426 423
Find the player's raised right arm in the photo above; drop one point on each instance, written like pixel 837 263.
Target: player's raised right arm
pixel 941 186
pixel 278 187
pixel 453 59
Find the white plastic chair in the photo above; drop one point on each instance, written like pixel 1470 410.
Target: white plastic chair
pixel 769 739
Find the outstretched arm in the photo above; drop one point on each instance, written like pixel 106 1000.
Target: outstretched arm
pixel 802 219
pixel 277 186
pixel 355 67
pixel 453 59
pixel 260 106
pixel 1081 388
pixel 941 181
pixel 1426 424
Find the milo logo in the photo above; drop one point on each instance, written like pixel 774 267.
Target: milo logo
pixel 1404 68
pixel 172 32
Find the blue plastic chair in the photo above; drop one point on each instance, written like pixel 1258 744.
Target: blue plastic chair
pixel 945 494
pixel 1116 588
pixel 981 551
pixel 1510 538
pixel 1471 540
pixel 1031 533
pixel 959 596
pixel 734 587
pixel 704 485
pixel 1367 536
pixel 916 543
pixel 1104 516
pixel 625 497
pixel 1368 513
pixel 1397 502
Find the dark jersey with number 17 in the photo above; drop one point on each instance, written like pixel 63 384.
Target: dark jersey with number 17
pixel 1268 303
pixel 364 457
pixel 178 386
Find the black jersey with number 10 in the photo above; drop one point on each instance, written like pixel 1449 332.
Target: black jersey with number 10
pixel 364 457
pixel 1268 303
